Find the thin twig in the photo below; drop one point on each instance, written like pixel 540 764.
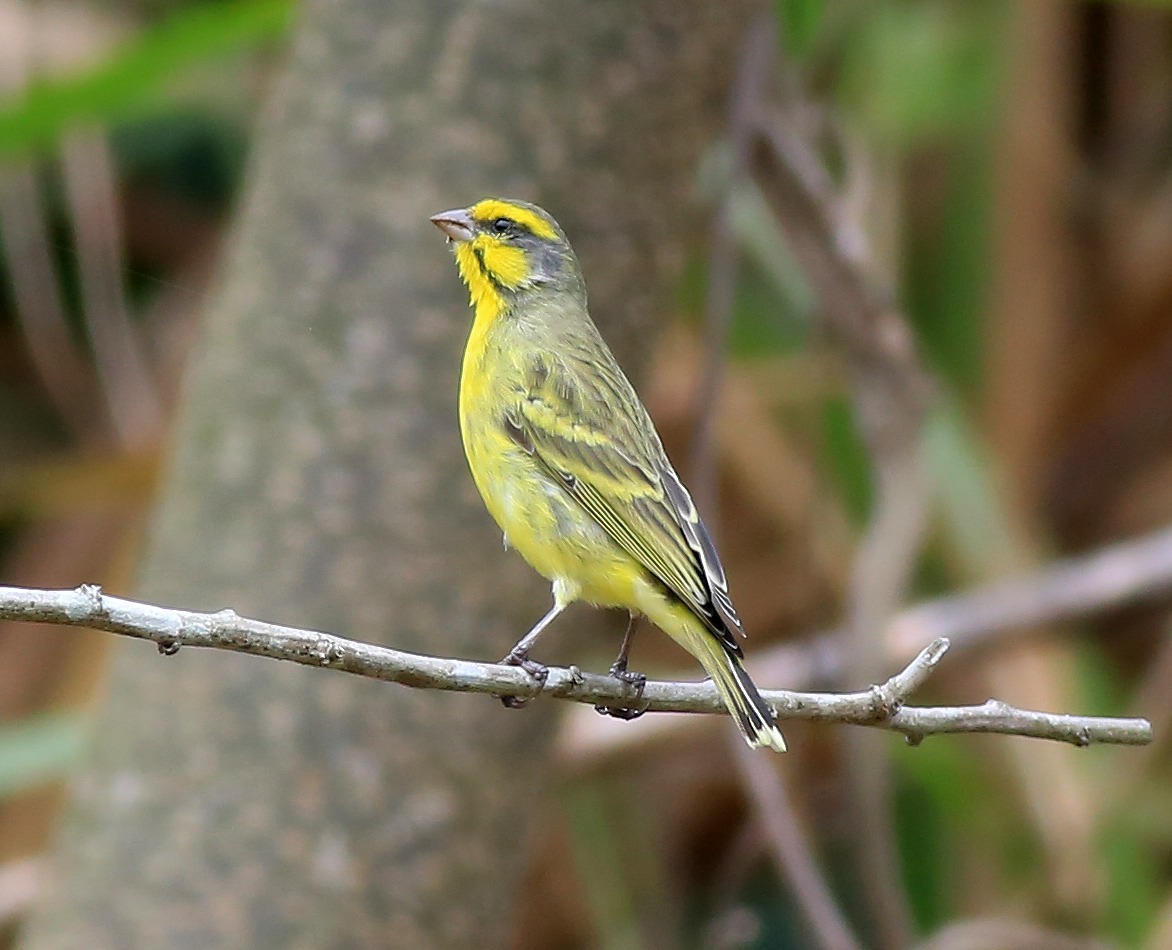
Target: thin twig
pixel 754 64
pixel 1154 698
pixel 26 249
pixel 890 396
pixel 764 786
pixel 1127 572
pixel 880 576
pixel 881 706
pixel 131 395
pixel 1108 577
pixel 776 816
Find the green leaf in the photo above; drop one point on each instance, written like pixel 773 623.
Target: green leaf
pixel 846 458
pixel 799 24
pixel 1134 897
pixel 39 749
pixel 923 834
pixel 923 71
pixel 948 270
pixel 602 855
pixel 763 243
pixel 136 76
pixel 973 515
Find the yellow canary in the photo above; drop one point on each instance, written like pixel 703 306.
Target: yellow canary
pixel 568 461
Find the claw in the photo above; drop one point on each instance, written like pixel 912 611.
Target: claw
pixel 624 713
pixel 538 671
pixel 620 672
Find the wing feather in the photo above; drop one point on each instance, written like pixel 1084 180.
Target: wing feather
pixel 615 468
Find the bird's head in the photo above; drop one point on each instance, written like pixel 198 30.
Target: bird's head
pixel 504 247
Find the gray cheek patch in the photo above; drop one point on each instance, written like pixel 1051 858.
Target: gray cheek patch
pixel 548 263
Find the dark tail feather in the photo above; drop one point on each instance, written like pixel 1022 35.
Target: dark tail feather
pixel 752 714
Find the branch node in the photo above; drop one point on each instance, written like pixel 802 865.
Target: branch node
pixel 885 701
pixel 93 594
pixel 326 651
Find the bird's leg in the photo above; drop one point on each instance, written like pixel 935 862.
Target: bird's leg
pixel 519 656
pixel 618 669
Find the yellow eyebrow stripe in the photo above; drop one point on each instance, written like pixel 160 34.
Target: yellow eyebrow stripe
pixel 492 208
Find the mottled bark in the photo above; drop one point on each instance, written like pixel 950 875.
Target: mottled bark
pixel 317 479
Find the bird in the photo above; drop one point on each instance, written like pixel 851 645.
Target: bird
pixel 569 464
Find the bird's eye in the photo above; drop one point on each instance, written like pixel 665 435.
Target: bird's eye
pixel 502 225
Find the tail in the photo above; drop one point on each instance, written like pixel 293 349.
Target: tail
pixel 750 712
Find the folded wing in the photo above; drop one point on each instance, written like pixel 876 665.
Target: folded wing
pixel 604 454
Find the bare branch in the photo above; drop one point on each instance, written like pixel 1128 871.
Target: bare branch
pixel 890 393
pixel 754 65
pixel 1128 572
pixel 130 393
pixel 881 706
pixel 796 865
pixel 1111 576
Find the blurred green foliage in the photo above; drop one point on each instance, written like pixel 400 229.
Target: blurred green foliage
pixel 193 155
pixel 799 21
pixel 136 77
pixel 40 749
pixel 916 71
pixel 176 139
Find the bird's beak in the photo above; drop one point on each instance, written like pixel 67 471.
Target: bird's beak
pixel 457 225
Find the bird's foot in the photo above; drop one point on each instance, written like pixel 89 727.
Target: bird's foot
pixel 538 671
pixel 620 672
pixel 636 680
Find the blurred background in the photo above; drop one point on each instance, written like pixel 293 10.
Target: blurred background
pixel 995 176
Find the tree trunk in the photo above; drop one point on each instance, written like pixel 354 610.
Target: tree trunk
pixel 317 480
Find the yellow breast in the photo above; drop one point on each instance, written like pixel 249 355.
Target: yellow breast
pixel 546 527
